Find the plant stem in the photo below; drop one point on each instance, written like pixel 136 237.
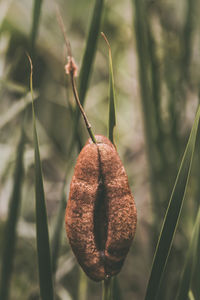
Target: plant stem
pixel 107 289
pixel 88 125
pixel 71 69
pixel 83 285
pixel 11 224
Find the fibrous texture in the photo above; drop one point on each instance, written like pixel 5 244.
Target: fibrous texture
pixel 101 214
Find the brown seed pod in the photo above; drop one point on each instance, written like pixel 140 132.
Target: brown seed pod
pixel 100 215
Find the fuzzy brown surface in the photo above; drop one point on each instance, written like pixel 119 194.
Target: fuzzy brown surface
pixel 101 215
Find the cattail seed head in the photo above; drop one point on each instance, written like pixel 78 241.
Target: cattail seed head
pixel 101 214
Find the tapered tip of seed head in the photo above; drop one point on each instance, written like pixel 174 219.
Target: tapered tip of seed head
pixel 71 67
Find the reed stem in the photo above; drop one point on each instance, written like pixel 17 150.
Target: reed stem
pixel 107 289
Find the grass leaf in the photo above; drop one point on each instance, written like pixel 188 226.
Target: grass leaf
pixel 172 215
pixel 191 296
pixel 15 109
pixel 190 261
pixel 86 66
pixel 12 86
pixel 55 244
pixel 43 249
pixel 11 225
pixel 83 285
pixel 35 24
pixel 108 289
pixel 112 114
pixel 90 49
pixel 195 286
pixel 117 295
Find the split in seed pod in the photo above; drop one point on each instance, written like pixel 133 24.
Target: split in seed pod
pixel 101 214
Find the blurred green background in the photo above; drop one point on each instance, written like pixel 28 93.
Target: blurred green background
pixel 155 48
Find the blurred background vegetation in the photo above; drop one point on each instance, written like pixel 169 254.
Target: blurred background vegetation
pixel 155 48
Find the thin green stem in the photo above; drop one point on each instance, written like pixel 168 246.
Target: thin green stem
pixel 83 285
pixel 107 289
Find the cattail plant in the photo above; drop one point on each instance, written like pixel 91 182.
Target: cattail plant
pixel 101 214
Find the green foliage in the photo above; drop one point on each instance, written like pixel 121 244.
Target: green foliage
pixel 108 289
pixel 11 224
pixel 87 62
pixel 157 86
pixel 172 215
pixel 35 23
pixel 43 248
pixel 90 49
pixel 55 244
pixel 112 114
pixel 190 262
pixel 15 110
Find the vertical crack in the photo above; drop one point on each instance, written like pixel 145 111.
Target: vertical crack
pixel 100 213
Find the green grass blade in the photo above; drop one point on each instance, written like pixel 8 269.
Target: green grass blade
pixel 190 262
pixel 11 225
pixel 90 49
pixel 148 105
pixel 196 274
pixel 87 61
pixel 107 289
pixel 191 296
pixel 12 86
pixel 195 286
pixel 55 244
pixel 172 215
pixel 15 109
pixel 117 295
pixel 112 114
pixel 35 23
pixel 43 249
pixel 83 286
